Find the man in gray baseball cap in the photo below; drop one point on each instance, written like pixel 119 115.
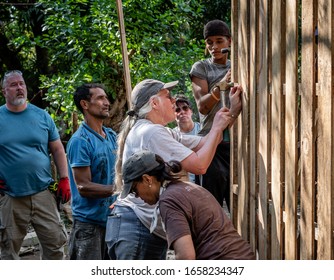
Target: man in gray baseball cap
pixel 144 90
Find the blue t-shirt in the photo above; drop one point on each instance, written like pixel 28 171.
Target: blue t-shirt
pixel 24 157
pixel 87 148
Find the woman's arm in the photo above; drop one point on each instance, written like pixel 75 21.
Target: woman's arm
pixel 199 161
pixel 184 248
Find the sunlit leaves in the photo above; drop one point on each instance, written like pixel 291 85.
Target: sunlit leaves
pixel 82 40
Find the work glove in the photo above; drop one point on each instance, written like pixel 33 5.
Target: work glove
pixel 2 187
pixel 63 190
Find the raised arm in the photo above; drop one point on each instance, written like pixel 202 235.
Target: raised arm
pixel 205 99
pixel 199 161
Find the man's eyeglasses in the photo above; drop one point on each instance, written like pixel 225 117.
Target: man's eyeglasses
pixel 183 108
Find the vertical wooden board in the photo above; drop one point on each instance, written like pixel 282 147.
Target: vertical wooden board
pixel 253 174
pixel 308 94
pixel 263 129
pixel 234 132
pixel 243 35
pixel 291 130
pixel 276 135
pixel 283 71
pixel 125 59
pixel 325 131
pixel 235 29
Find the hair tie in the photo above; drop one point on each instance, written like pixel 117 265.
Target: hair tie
pixel 132 113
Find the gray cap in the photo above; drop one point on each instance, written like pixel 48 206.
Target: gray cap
pixel 144 90
pixel 135 166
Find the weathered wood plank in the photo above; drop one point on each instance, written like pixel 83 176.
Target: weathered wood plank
pixel 277 130
pixel 263 129
pixel 234 131
pixel 253 138
pixel 325 131
pixel 307 139
pixel 291 125
pixel 243 172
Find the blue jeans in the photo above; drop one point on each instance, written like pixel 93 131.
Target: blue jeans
pixel 128 239
pixel 87 242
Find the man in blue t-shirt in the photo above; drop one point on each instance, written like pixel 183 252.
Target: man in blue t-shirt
pixel 28 133
pixel 91 153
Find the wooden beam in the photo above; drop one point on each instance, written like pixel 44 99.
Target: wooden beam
pixel 277 128
pixel 263 111
pixel 253 127
pixel 291 125
pixel 127 78
pixel 308 137
pixel 325 131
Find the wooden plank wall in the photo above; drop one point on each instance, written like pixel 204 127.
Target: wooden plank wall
pixel 282 153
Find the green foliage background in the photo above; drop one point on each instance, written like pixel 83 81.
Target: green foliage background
pixel 61 44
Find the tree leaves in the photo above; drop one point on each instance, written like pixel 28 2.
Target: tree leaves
pixel 60 44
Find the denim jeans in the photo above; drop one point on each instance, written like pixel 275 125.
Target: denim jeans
pixel 128 239
pixel 87 242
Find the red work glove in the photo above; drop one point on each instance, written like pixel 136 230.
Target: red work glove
pixel 63 190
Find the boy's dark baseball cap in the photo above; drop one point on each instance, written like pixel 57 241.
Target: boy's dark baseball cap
pixel 135 166
pixel 216 27
pixel 144 90
pixel 180 98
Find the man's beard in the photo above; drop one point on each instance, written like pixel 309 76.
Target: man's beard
pixel 19 101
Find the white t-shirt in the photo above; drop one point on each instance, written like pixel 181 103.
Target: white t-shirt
pixel 167 143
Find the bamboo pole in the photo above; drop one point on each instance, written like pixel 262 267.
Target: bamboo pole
pixel 127 78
